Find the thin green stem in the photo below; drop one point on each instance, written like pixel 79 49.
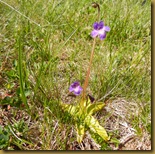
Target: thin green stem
pixel 21 74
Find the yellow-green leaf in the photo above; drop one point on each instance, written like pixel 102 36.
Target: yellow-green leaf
pixel 80 132
pixel 94 125
pixel 85 103
pixel 95 107
pixel 69 108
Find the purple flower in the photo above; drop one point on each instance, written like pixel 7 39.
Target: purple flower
pixel 75 88
pixel 100 30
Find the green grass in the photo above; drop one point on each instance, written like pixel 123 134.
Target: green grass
pixel 46 45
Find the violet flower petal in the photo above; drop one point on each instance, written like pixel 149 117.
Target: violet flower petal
pixel 100 30
pixel 75 88
pixel 102 36
pixel 94 33
pixel 95 25
pixel 100 25
pixel 107 28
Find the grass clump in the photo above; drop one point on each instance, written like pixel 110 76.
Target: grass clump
pixel 46 45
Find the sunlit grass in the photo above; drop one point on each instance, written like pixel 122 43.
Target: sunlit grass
pixel 56 46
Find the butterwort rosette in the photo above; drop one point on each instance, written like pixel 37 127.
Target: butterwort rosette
pixel 100 30
pixel 75 88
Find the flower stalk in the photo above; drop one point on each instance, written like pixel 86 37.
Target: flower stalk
pixel 95 5
pixel 88 71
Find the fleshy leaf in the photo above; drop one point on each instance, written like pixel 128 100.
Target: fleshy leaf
pixel 95 107
pixel 84 103
pixel 80 132
pixel 69 108
pixel 94 125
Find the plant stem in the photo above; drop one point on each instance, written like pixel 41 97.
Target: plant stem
pixel 88 71
pixel 95 5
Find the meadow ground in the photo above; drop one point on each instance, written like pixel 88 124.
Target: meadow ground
pixel 46 45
